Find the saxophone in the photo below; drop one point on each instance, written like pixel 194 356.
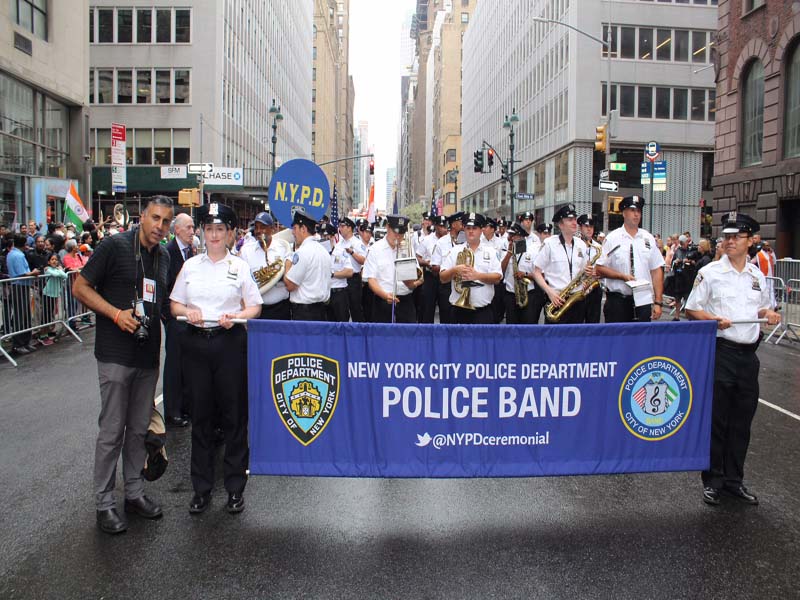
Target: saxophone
pixel 585 282
pixel 520 285
pixel 267 276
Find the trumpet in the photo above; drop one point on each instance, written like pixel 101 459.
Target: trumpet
pixel 585 283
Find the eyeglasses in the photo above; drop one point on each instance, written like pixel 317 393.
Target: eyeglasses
pixel 734 236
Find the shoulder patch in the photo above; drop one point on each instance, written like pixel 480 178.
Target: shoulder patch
pixel 295 258
pixel 698 280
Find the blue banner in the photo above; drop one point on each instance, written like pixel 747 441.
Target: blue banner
pixel 371 400
pixel 299 182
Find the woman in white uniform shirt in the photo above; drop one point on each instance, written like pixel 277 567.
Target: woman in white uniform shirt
pixel 211 290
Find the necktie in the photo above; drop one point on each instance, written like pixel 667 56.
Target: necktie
pixel 187 253
pixel 633 272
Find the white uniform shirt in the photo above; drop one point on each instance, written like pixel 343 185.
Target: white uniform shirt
pixel 486 261
pixel 722 291
pixel 380 266
pixel 339 260
pixel 358 248
pixel 215 288
pixel 646 257
pixel 441 249
pixel 554 260
pixel 525 265
pixel 311 270
pixel 425 248
pixel 253 254
pixel 417 239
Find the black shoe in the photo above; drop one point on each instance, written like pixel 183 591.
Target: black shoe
pixel 199 503
pixel 20 350
pixel 144 507
pixel 235 503
pixel 711 495
pixel 109 521
pixel 176 422
pixel 739 491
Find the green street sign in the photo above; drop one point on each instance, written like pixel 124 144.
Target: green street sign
pixel 612 157
pixel 616 166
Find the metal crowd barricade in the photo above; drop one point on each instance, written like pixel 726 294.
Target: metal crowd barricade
pixel 30 305
pixel 787 268
pixel 790 313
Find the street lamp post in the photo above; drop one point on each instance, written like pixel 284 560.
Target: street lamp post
pixel 509 124
pixel 454 178
pixel 275 111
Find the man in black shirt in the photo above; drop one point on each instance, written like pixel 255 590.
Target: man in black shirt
pixel 125 284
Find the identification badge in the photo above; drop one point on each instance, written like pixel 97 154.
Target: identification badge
pixel 148 290
pixel 486 257
pixel 580 253
pixel 756 285
pixel 647 244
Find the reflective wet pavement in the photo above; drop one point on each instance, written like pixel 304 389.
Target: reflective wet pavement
pixel 631 536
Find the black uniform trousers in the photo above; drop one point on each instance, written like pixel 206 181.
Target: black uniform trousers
pixel 732 412
pixel 177 400
pixel 338 306
pixel 443 299
pixel 498 302
pixel 215 366
pixel 430 292
pixel 594 302
pixel 574 316
pixel 355 299
pixel 620 309
pixel 309 312
pixel 404 311
pixel 479 316
pixel 280 311
pixel 367 303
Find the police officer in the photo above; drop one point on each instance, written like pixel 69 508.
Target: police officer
pixel 341 274
pixel 354 248
pixel 211 289
pixel 525 255
pixel 594 300
pixel 308 273
pixel 367 297
pixel 430 288
pixel 489 237
pixel 260 250
pixel 560 260
pixel 631 254
pixel 393 299
pixel 526 220
pixel 728 290
pixel 502 228
pixel 483 273
pixel 543 231
pixel 440 250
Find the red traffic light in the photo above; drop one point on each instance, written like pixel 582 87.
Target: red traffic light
pixel 372 167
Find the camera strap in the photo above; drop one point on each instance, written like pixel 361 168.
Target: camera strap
pixel 148 293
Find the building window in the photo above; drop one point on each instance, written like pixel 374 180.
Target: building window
pixel 753 114
pixel 627 103
pixel 163 26
pixel 751 5
pixel 180 146
pixel 645 43
pixel 183 29
pixel 105 86
pixel 144 86
pixel 91 26
pixel 680 103
pixel 664 44
pixel 681 45
pixel 698 105
pixel 144 26
pixel 182 86
pixel 627 42
pixel 124 86
pixel 465 17
pixel 143 149
pixel 162 143
pixel 31 15
pixel 124 26
pixel 792 117
pixel 645 102
pixel 162 87
pixel 450 155
pixel 699 46
pixel 105 25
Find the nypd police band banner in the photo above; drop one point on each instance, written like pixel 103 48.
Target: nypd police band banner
pixel 371 400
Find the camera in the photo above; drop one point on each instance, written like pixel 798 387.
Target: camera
pixel 142 333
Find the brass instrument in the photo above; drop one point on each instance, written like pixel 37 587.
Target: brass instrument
pixel 520 285
pixel 585 282
pixel 269 275
pixel 464 288
pixel 405 258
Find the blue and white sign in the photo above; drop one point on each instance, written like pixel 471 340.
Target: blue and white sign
pixel 660 171
pixel 372 400
pixel 224 176
pixel 299 182
pixel 652 150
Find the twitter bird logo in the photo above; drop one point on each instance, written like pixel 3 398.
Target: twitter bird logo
pixel 423 440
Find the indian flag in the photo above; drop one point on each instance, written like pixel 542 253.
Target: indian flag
pixel 74 210
pixel 371 209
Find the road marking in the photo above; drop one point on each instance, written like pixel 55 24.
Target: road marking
pixel 779 409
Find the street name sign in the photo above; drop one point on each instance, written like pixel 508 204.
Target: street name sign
pixel 608 186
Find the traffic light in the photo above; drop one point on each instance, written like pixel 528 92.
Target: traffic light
pixel 504 169
pixel 601 138
pixel 371 167
pixel 490 158
pixel 477 161
pixel 613 204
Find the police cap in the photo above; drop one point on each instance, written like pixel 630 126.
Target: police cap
pixel 525 216
pixel 586 220
pixel 565 212
pixel 456 216
pixel 347 221
pixel 632 202
pixel 301 217
pixel 440 221
pixel 517 229
pixel 213 212
pixel 473 220
pixel 326 229
pixel 735 222
pixel 544 228
pixel 397 223
pixel 490 222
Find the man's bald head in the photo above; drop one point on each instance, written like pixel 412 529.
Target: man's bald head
pixel 184 228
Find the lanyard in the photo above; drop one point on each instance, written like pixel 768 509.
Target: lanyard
pixel 633 271
pixel 571 250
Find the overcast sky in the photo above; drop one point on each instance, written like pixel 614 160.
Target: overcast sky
pixel 376 70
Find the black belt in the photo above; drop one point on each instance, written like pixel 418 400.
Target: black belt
pixel 323 304
pixel 336 290
pixel 355 275
pixel 620 295
pixel 207 332
pixel 280 303
pixel 729 345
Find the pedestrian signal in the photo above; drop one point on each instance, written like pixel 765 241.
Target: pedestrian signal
pixel 613 204
pixel 478 160
pixel 601 138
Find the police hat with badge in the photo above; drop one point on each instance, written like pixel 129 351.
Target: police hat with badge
pixel 517 230
pixel 473 220
pixel 734 222
pixel 490 222
pixel 214 213
pixel 455 217
pixel 589 220
pixel 636 202
pixel 397 223
pixel 544 228
pixel 364 225
pixel 440 221
pixel 565 212
pixel 348 222
pixel 301 217
pixel 326 229
pixel 525 216
pixel 426 216
pixel 503 223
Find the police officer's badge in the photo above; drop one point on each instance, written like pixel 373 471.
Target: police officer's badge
pixel 305 388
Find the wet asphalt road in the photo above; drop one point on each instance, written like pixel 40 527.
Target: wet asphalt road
pixel 631 536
